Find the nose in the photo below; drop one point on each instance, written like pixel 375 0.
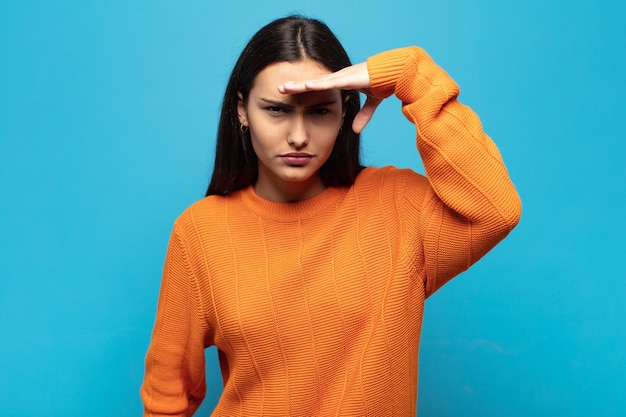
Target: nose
pixel 298 135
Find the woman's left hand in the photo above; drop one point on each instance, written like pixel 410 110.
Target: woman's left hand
pixel 354 77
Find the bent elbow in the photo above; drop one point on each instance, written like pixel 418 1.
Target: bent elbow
pixel 516 212
pixel 510 213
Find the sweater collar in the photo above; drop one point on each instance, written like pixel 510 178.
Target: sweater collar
pixel 292 211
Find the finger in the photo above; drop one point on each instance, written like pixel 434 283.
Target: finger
pixel 364 115
pixel 355 77
pixel 296 87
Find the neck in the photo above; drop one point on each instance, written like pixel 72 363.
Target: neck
pixel 289 191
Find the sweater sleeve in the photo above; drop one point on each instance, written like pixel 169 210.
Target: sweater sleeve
pixel 174 382
pixel 471 204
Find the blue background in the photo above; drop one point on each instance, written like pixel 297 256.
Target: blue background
pixel 108 114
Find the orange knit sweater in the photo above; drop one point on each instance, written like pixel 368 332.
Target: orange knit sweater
pixel 316 307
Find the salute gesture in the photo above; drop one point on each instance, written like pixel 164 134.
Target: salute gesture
pixel 355 77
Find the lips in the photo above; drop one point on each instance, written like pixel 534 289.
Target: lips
pixel 296 158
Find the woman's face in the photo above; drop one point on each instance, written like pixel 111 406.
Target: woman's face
pixel 292 135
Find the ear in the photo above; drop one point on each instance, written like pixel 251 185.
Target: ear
pixel 344 107
pixel 242 112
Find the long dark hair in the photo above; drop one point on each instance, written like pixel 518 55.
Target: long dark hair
pixel 290 39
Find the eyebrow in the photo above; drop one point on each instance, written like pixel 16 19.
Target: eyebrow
pixel 290 106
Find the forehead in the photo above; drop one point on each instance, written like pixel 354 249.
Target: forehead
pixel 292 71
pixel 267 81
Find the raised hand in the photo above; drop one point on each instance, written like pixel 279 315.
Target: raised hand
pixel 354 77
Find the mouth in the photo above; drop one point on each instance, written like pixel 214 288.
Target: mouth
pixel 296 158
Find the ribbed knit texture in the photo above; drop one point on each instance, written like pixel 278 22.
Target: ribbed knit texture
pixel 316 307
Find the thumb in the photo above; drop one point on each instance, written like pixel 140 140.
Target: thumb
pixel 364 115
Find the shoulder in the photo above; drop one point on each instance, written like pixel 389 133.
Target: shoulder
pixel 390 184
pixel 209 211
pixel 390 177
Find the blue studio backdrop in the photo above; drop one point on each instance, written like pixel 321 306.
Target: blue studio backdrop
pixel 108 113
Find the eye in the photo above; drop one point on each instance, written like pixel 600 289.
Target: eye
pixel 320 111
pixel 275 109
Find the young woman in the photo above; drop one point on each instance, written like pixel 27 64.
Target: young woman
pixel 307 271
